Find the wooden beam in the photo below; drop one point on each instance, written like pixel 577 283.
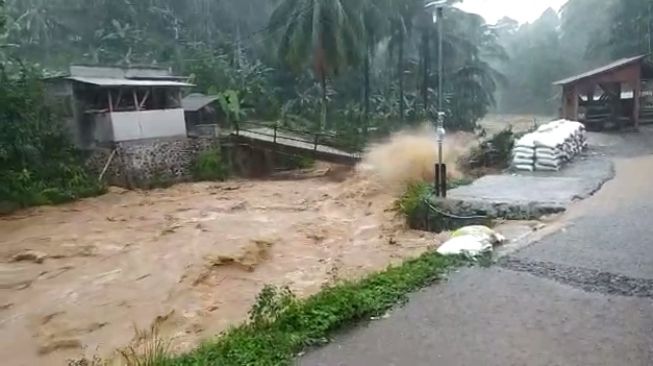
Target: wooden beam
pixel 117 105
pixel 147 95
pixel 136 104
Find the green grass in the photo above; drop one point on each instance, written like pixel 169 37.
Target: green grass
pixel 281 325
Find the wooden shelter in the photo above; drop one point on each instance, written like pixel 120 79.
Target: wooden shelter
pixel 620 93
pixel 107 105
pixel 201 114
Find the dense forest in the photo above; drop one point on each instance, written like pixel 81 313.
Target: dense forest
pixel 372 63
pixel 352 67
pixel 585 34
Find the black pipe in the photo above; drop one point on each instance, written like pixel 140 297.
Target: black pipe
pixel 437 180
pixel 443 178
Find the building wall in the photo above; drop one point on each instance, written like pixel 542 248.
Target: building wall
pixel 147 163
pixel 129 126
pixel 60 93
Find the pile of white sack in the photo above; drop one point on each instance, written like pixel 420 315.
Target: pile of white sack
pixel 550 147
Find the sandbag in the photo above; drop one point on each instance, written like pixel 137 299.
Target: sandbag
pixel 549 157
pixel 523 161
pixel 480 231
pixel 523 156
pixel 546 168
pixel 525 167
pixel 471 240
pixel 523 150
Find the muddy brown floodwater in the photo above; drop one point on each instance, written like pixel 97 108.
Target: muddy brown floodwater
pixel 78 279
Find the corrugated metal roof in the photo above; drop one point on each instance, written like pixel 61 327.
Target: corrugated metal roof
pixel 127 82
pixel 195 102
pixel 612 66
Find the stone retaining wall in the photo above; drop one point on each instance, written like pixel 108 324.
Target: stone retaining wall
pixel 150 163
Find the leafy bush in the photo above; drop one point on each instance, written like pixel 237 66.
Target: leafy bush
pixel 38 164
pixel 495 152
pixel 210 167
pixel 412 199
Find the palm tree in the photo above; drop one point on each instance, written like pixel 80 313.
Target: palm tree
pixel 402 15
pixel 324 32
pixel 471 80
pixel 375 18
pixel 2 16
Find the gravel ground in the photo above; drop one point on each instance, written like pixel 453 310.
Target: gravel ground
pixel 582 296
pixel 589 280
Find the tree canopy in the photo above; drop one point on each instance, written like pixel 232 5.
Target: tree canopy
pixel 286 59
pixel 585 34
pixel 373 62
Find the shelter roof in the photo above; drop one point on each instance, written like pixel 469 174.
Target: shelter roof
pixel 601 70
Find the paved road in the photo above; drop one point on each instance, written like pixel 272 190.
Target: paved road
pixel 582 296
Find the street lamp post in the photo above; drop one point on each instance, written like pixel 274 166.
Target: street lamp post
pixel 438 11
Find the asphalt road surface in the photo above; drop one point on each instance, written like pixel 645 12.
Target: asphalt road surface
pixel 581 296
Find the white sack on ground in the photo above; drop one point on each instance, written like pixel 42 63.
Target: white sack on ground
pixel 471 240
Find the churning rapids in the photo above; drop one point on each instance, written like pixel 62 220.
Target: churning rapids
pixel 78 279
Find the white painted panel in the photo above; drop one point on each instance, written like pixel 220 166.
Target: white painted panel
pixel 129 126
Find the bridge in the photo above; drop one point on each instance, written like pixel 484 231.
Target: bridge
pixel 319 146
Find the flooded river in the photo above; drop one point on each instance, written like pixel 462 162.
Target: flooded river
pixel 80 278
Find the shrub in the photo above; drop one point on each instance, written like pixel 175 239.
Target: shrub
pixel 210 167
pixel 410 202
pixel 38 164
pixel 494 153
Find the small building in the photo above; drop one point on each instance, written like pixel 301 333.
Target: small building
pixel 201 114
pixel 108 105
pixel 620 93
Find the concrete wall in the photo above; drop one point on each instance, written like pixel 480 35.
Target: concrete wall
pixel 129 126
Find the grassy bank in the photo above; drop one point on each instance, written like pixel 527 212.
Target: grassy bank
pixel 281 325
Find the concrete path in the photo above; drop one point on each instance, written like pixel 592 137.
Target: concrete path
pixel 532 195
pixel 581 296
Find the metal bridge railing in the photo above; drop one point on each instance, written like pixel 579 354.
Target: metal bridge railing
pixel 276 133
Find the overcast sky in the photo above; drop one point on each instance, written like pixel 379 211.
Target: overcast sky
pixel 520 10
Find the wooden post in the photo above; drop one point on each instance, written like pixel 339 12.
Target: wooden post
pixel 110 101
pixel 574 106
pixel 637 95
pixel 565 109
